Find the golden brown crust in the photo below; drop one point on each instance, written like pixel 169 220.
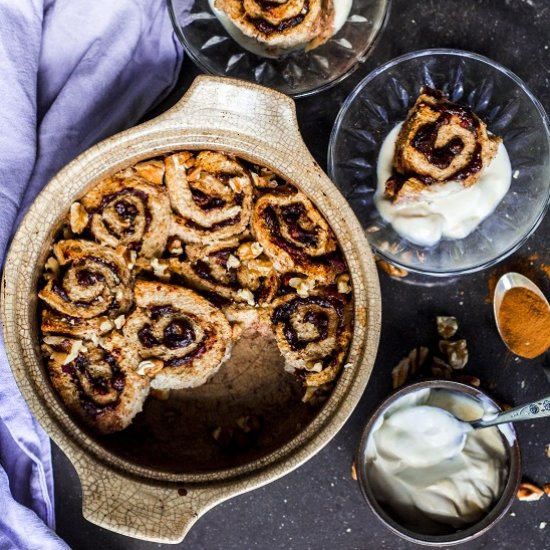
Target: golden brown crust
pixel 284 24
pixel 439 142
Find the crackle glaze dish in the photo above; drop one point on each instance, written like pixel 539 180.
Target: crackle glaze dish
pixel 493 93
pixel 153 481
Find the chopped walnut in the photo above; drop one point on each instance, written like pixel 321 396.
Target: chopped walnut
pixel 456 352
pixel 150 367
pixel 528 492
pixel 308 394
pixel 408 366
pixel 290 368
pixel 249 251
pixel 247 296
pixel 51 268
pixel 390 269
pixel 232 262
pixel 105 326
pixel 76 346
pixel 353 471
pixel 78 217
pixel 348 366
pixel 194 174
pixel 119 321
pixel 316 367
pixel 446 326
pixel 175 246
pixel 343 284
pixel 302 286
pixel 160 269
pixel 236 185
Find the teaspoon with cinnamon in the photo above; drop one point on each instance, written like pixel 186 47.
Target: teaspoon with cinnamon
pixel 522 315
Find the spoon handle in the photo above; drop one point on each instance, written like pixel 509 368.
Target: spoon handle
pixel 529 411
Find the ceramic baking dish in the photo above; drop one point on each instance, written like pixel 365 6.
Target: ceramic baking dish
pixel 120 492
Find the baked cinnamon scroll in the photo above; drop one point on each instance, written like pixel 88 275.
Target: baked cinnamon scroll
pixel 296 237
pixel 313 334
pixel 92 280
pixel 238 271
pixel 282 25
pixel 97 382
pixel 128 211
pixel 181 338
pixel 211 193
pixel 439 141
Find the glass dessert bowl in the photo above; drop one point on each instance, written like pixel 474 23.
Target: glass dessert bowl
pixel 218 50
pixel 500 99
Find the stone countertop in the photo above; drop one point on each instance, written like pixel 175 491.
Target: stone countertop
pixel 319 505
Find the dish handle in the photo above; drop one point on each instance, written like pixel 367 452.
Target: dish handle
pixel 144 510
pixel 255 115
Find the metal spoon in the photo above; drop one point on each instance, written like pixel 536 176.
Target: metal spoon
pixel 528 411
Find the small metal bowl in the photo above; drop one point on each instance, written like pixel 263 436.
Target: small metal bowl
pixel 455 536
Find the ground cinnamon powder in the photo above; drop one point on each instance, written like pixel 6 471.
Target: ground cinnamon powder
pixel 524 320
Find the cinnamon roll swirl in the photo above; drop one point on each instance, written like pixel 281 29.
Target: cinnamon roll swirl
pixel 296 237
pixel 98 383
pixel 313 334
pixel 130 212
pixel 439 141
pixel 282 25
pixel 93 280
pixel 211 193
pixel 184 337
pixel 234 270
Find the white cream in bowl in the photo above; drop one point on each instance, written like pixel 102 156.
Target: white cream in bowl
pixel 432 472
pixel 444 211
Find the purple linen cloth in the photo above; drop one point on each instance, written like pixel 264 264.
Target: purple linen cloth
pixel 72 73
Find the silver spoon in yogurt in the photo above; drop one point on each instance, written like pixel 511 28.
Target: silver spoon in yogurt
pixel 425 435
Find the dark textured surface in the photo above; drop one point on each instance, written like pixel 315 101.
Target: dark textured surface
pixel 319 506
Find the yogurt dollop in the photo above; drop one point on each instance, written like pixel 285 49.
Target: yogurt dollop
pixel 448 210
pixel 431 471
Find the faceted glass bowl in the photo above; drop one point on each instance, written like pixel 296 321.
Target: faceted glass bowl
pixel 498 97
pixel 298 73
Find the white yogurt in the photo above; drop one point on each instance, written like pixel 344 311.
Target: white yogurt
pixel 341 12
pixel 431 470
pixel 448 210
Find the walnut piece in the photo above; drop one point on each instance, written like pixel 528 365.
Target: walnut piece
pixel 343 284
pixel 408 366
pixel 446 326
pixel 390 269
pixel 456 352
pixel 249 251
pixel 150 367
pixel 527 492
pixel 78 217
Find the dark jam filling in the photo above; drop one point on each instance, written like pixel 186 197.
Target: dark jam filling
pixel 299 255
pixel 426 136
pixel 157 312
pixel 282 314
pixel 85 277
pixel 292 214
pixel 100 385
pixel 267 28
pixel 206 202
pixel 126 210
pixel 214 227
pixel 147 338
pixel 178 334
pixel 181 361
pixel 204 271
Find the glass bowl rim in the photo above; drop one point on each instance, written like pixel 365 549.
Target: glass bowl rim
pixel 206 67
pixel 331 164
